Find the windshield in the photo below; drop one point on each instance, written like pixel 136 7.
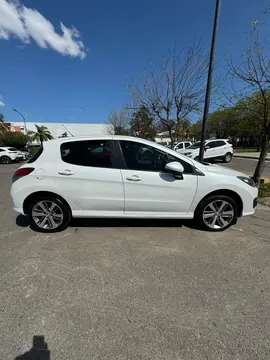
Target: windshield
pixel 196 145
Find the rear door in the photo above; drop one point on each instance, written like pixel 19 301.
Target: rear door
pixel 222 147
pixel 149 190
pixel 87 175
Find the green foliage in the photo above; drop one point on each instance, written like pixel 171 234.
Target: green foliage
pixel 264 190
pixel 142 124
pixel 13 139
pixel 195 130
pixel 42 134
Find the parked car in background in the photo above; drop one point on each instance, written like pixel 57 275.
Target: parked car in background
pixel 220 149
pixel 126 177
pixel 10 154
pixel 164 143
pixel 182 145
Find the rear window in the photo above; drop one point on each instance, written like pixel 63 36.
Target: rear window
pixel 36 155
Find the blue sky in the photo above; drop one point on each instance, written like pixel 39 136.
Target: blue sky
pixel 118 41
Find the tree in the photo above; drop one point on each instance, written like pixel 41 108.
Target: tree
pixel 42 134
pixel 253 71
pixel 13 139
pixel 2 123
pixel 142 124
pixel 118 122
pixel 195 130
pixel 174 89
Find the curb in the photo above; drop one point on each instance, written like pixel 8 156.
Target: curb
pixel 248 157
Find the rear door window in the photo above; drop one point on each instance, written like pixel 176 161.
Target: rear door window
pixel 91 153
pixel 220 143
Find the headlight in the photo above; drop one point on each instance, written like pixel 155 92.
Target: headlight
pixel 247 180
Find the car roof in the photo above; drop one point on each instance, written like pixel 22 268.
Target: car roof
pixel 96 137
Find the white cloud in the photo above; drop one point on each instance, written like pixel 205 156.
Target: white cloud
pixel 2 104
pixel 26 24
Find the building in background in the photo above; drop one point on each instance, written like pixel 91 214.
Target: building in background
pixel 63 129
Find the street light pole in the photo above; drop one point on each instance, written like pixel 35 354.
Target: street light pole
pixel 209 79
pixel 25 128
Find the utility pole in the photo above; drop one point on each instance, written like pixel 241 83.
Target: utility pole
pixel 25 128
pixel 209 79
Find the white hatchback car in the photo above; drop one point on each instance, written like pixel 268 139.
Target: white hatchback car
pixel 214 149
pixel 126 177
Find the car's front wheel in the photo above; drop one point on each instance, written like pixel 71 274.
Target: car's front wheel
pixel 5 160
pixel 48 214
pixel 216 213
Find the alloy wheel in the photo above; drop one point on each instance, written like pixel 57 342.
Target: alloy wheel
pixel 218 214
pixel 5 160
pixel 47 215
pixel 228 158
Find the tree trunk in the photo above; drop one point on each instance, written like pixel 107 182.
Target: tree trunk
pixel 261 163
pixel 172 138
pixel 259 143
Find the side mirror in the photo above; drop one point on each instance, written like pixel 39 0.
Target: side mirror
pixel 206 147
pixel 174 167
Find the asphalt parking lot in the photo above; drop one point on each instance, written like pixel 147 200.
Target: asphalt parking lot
pixel 133 290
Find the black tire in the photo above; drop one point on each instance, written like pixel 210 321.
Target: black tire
pixel 59 204
pixel 196 158
pixel 227 158
pixel 5 160
pixel 203 206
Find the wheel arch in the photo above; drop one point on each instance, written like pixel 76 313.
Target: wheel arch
pixel 230 193
pixel 30 197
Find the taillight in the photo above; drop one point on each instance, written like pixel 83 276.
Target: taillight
pixel 22 172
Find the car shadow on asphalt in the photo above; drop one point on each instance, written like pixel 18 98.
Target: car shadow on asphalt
pixel 39 350
pixel 22 221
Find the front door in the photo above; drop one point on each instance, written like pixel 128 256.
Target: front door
pixel 149 190
pixel 86 175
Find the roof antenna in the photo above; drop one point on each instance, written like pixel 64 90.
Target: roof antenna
pixel 67 130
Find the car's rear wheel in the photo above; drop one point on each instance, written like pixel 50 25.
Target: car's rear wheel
pixel 227 158
pixel 48 214
pixel 5 160
pixel 216 213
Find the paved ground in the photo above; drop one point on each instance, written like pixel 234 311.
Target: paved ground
pixel 130 290
pixel 250 155
pixel 246 165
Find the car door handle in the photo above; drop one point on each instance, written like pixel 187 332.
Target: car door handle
pixel 134 178
pixel 66 173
